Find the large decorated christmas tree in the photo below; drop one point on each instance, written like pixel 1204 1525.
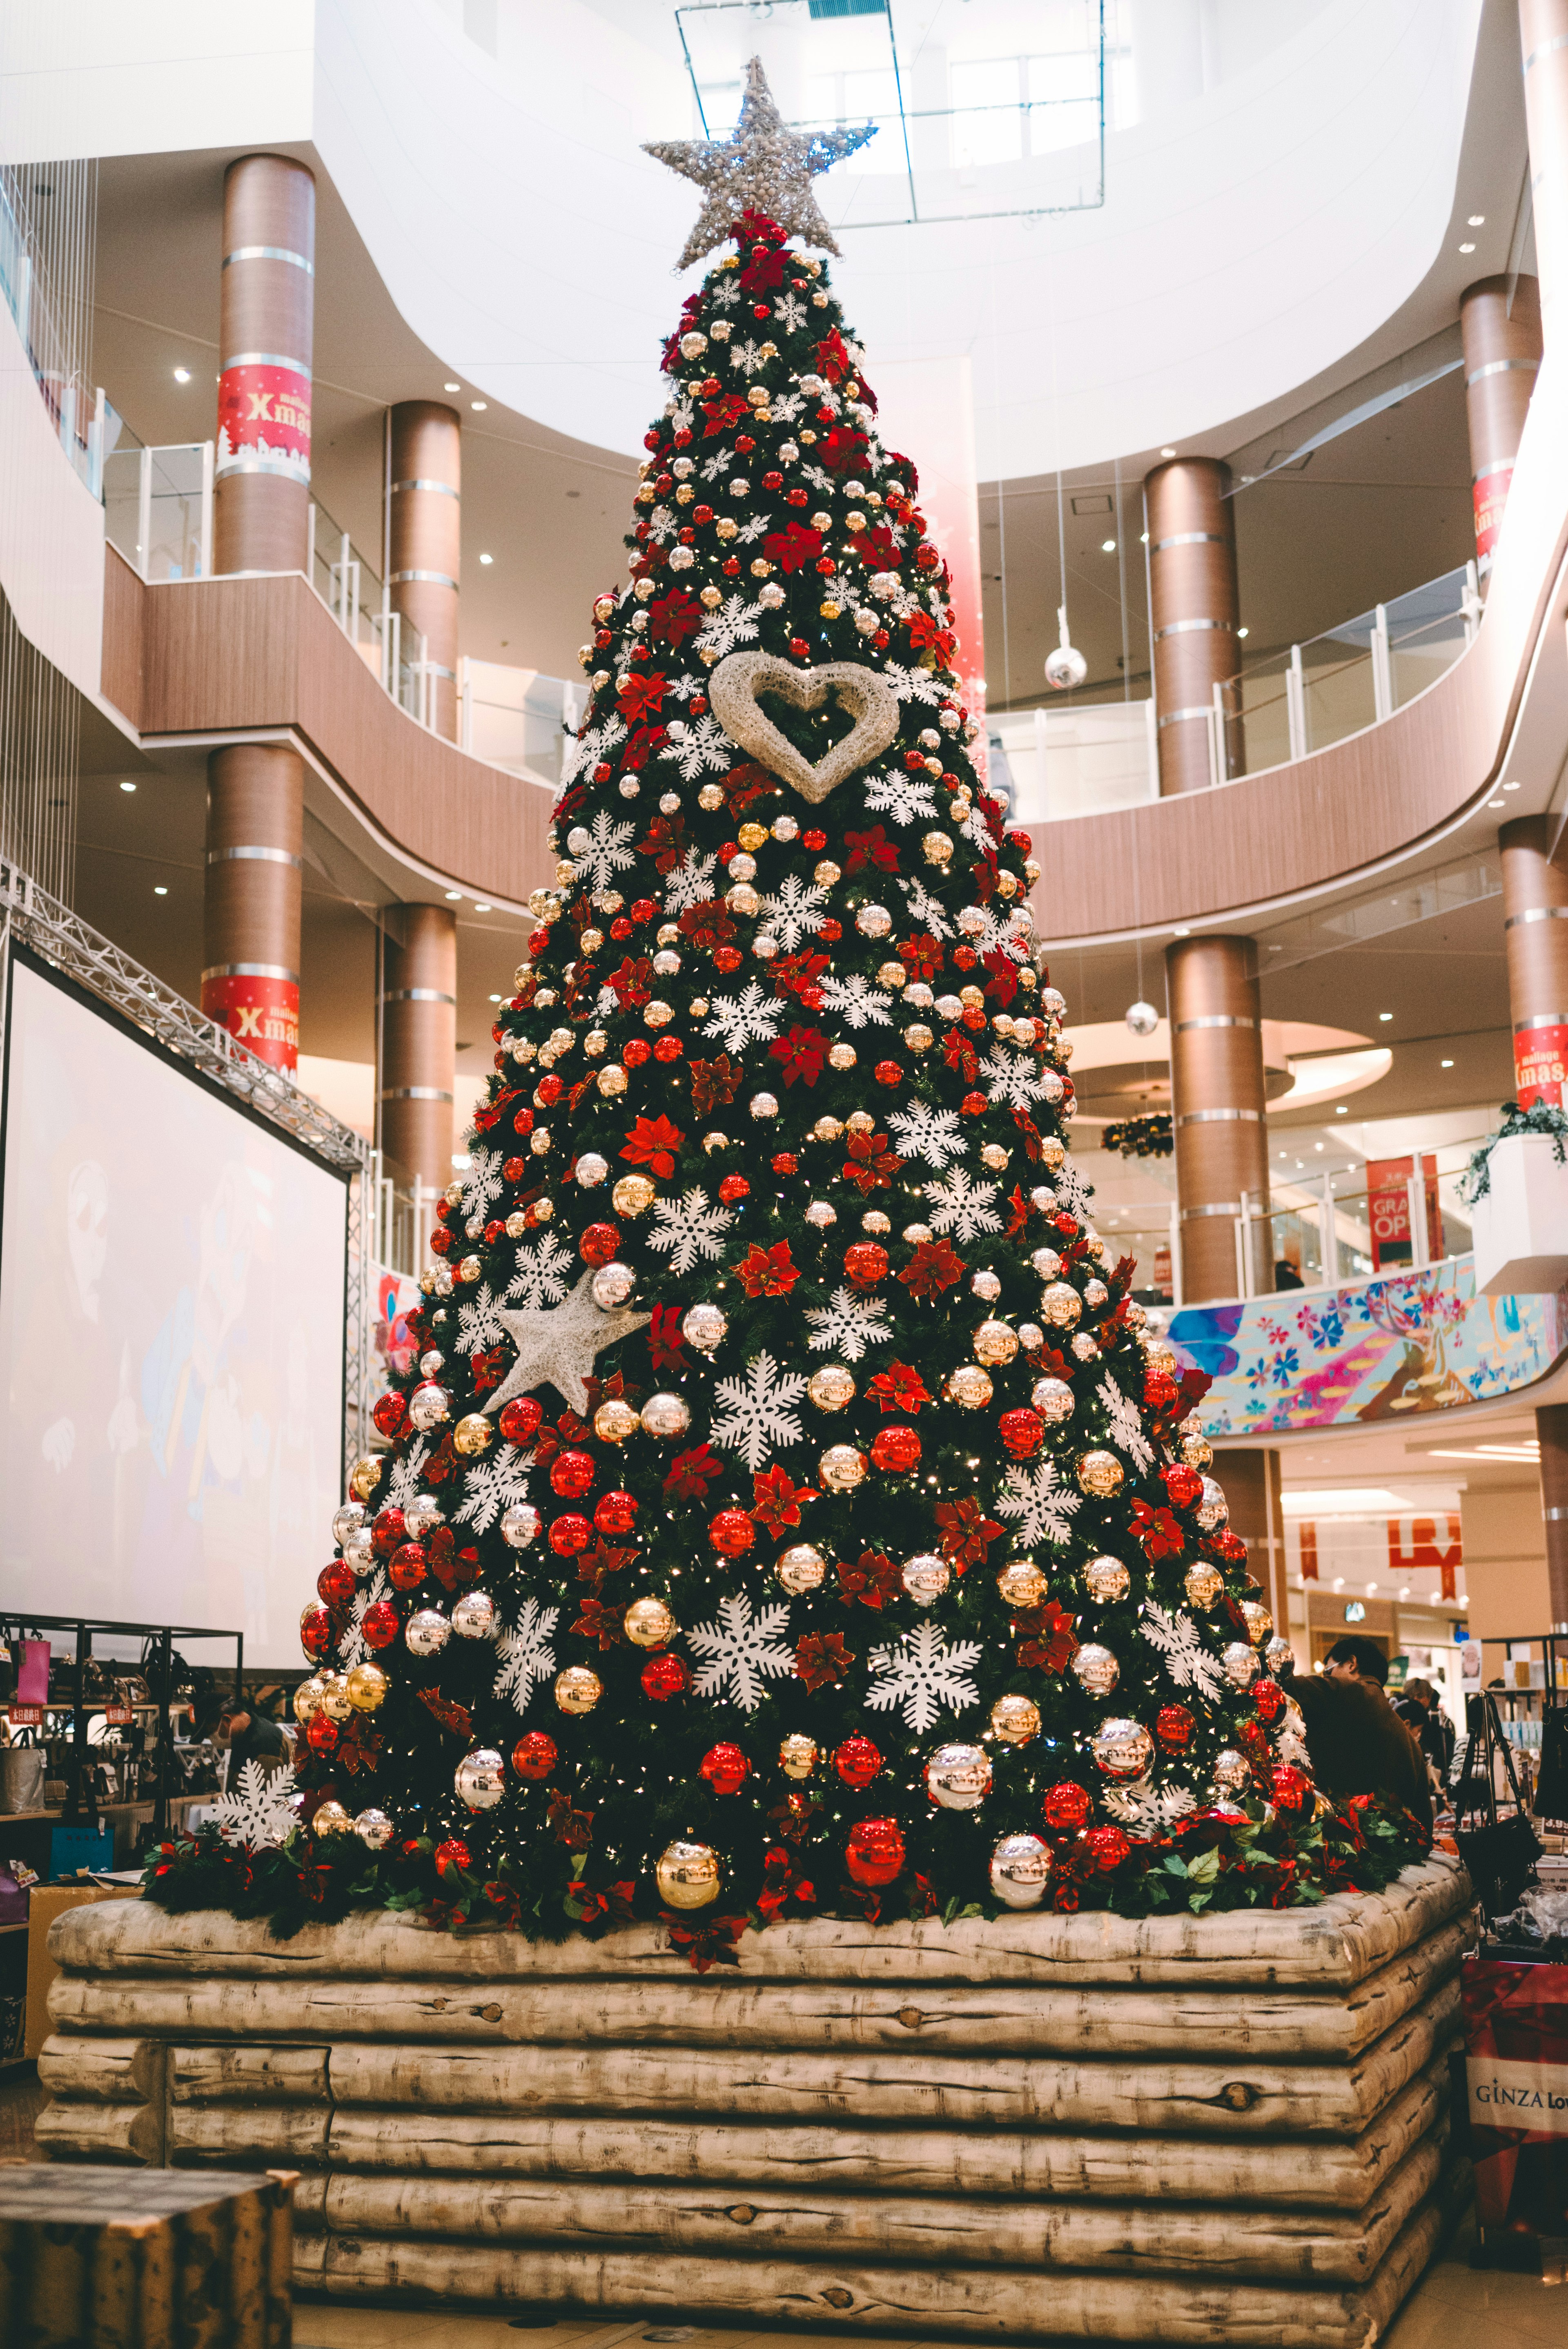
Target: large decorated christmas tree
pixel 790 1510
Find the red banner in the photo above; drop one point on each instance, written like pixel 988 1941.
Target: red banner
pixel 1389 1212
pixel 1491 497
pixel 261 1012
pixel 264 420
pixel 1430 1542
pixel 1516 2077
pixel 1540 1065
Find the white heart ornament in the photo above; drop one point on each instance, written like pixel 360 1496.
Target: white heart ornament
pixel 737 681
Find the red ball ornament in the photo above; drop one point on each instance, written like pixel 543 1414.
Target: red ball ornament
pixel 535 1755
pixel 865 1263
pixel 378 1627
pixel 388 1412
pixel 974 1105
pixel 316 1632
pixel 1160 1390
pixel 1021 1432
pixel 1182 1484
pixel 786 1163
pixel 874 1853
pixel 515 1169
pixel 1269 1698
pixel 451 1856
pixel 1108 1847
pixel 1173 1727
pixel 728 959
pixel 620 928
pixel 733 1187
pixel 572 1475
pixel 663 1676
pixel 725 1768
pixel 1290 1789
pixel 732 1532
pixel 387 1532
pixel 405 1566
pixel 569 1535
pixel 636 1052
pixel 321 1733
pixel 896 1451
pixel 614 1514
pixel 643 910
pixel 814 840
pixel 1066 1805
pixel 668 1048
pixel 441 1240
pixel 1230 1547
pixel 548 1092
pixel 857 1762
pixel 335 1584
pixel 520 1420
pixel 600 1242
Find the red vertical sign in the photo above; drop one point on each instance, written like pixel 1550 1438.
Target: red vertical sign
pixel 1540 1062
pixel 1490 495
pixel 1427 1542
pixel 1389 1212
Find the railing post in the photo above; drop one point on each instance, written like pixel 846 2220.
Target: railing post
pixel 1382 667
pixel 144 515
pixel 1417 1187
pixel 423 1196
pixel 1151 729
pixel 465 706
pixel 1243 1231
pixel 1175 1256
pixel 1296 704
pixel 1471 607
pixel 207 481
pixel 95 442
pixel 1329 1237
pixel 69 420
pixel 1218 764
pixel 344 558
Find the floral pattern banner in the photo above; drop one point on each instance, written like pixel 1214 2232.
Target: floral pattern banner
pixel 1420 1342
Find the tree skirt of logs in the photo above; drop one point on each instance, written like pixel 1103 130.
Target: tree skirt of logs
pixel 1166 2130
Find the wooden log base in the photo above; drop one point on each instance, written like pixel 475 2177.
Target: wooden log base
pixel 1058 2128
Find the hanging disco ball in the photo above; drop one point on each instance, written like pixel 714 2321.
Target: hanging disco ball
pixel 1066 666
pixel 1142 1018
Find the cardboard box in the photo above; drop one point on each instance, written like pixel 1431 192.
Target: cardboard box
pixel 46 1902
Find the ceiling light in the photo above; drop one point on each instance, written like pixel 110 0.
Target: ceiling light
pixel 1167 452
pixel 1445 1065
pixel 1467 248
pixel 1403 1590
pixel 1183 934
pixel 1317 1146
pixel 1244 632
pixel 454 893
pixel 181 375
pixel 128 786
pixel 1512 787
pixel 451 387
pixel 1341 1110
pixel 1494 803
pixel 1476 220
pixel 487 558
pixel 159 889
pixel 478 405
pixel 495 998
pixel 479 908
pixel 1143 538
pixel 1385 1015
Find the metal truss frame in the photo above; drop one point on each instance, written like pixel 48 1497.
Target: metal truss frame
pixel 31 916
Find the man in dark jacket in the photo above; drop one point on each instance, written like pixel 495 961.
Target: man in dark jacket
pixel 1356 1745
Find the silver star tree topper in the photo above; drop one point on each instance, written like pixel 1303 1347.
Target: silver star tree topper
pixel 760 167
pixel 556 1344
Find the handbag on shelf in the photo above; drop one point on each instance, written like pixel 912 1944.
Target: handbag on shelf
pixel 1500 1854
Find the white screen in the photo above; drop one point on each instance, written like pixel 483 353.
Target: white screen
pixel 171 1332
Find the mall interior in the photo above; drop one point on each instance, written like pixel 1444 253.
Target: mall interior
pixel 1226 333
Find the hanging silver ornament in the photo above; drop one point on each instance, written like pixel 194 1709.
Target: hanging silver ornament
pixel 704 1327
pixel 1258 1620
pixel 665 1417
pixel 374 1829
pixel 479 1778
pixel 612 1284
pixel 926 1578
pixel 1142 1018
pixel 1095 1669
pixel 1122 1749
pixel 592 1169
pixel 1230 1770
pixel 1106 1580
pixel 1066 666
pixel 429 1406
pixel 347 1521
pixel 427 1632
pixel 1015 1720
pixel 801 1568
pixel 958 1777
pixel 1277 1654
pixel 1214 1510
pixel 473 1617
pixel 1240 1664
pixel 420 1515
pixel 1020 1871
pixel 519 1524
pixel 1203 1583
pixel 1053 1399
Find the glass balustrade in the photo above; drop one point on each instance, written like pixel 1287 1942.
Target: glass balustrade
pixel 158 507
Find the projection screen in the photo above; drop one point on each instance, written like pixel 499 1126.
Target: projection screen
pixel 173 1297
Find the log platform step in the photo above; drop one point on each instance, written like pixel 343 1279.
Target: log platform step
pixel 1058 2128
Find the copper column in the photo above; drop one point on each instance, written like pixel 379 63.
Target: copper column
pixel 1194 611
pixel 1535 936
pixel 1251 1487
pixel 255 792
pixel 1502 357
pixel 424 541
pixel 1217 1100
pixel 1551 1427
pixel 418 1035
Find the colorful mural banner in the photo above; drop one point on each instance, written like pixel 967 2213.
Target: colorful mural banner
pixel 1419 1342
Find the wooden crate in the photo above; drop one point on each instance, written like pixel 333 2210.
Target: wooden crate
pixel 1172 2129
pixel 164 2259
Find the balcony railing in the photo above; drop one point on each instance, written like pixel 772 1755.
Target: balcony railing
pixel 1089 757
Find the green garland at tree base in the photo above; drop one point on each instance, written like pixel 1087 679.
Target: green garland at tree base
pixel 1207 1862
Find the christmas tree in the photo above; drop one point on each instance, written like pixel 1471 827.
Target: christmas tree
pixel 790 1510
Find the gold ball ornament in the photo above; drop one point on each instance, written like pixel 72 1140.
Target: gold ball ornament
pixel 577 1689
pixel 1106 1580
pixel 1015 1720
pixel 1212 1509
pixel 364 1477
pixel 925 1576
pixel 843 1467
pixel 1203 1583
pixel 1122 1750
pixel 1258 1620
pixel 832 1388
pixel 307 1698
pixel 1053 1399
pixel 1021 1584
pixel 687 1875
pixel 472 1433
pixel 334 1700
pixel 958 1777
pixel 1095 1669
pixel 1277 1654
pixel 648 1623
pixel 797 1756
pixel 704 1327
pixel 1197 1451
pixel 842 1057
pixel 995 1343
pixel 366 1687
pixel 633 1194
pixel 665 1417
pixel 801 1568
pixel 330 1818
pixel 611 1080
pixel 1100 1473
pixel 970 1386
pixel 1061 1305
pixel 1158 1354
pixel 1231 1771
pixel 1020 1871
pixel 615 1421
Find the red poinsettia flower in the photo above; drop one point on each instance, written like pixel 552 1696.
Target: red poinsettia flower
pixel 641 744
pixel 691 1474
pixel 665 843
pixel 721 413
pixel 791 549
pixel 871 848
pixel 767 1272
pixel 714 1083
pixel 920 955
pixel 796 974
pixel 640 699
pixel 804 1053
pixel 674 617
pixel 872 1165
pixel 654 1142
pixel 833 359
pixel 594 1563
pixel 959 1053
pixel 821 1658
pixel 777 1500
pixel 899 1388
pixel 665 1338
pixel 932 1268
pixel 843 450
pixel 600 1622
pixel 1158 1530
pixel 634 982
pixel 873 1579
pixel 707 924
pixel 966 1532
pixel 1048 1643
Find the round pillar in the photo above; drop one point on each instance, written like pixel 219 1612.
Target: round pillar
pixel 1543 44
pixel 266 309
pixel 1217 1100
pixel 250 910
pixel 1502 356
pixel 1194 611
pixel 1551 1427
pixel 424 540
pixel 1251 1481
pixel 1535 938
pixel 418 1042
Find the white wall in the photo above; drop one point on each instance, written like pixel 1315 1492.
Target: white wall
pixel 51 527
